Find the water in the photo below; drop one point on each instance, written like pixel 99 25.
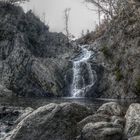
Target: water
pixel 83 76
pixel 38 102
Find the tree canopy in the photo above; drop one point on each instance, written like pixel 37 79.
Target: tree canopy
pixel 108 7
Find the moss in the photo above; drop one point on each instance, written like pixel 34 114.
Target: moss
pixel 107 53
pixel 137 87
pixel 118 74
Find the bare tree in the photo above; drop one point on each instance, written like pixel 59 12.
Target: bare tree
pixel 66 17
pixel 44 17
pixel 97 10
pixel 99 13
pixel 111 7
pixel 82 33
pixel 107 7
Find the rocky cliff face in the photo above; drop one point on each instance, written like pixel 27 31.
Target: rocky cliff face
pixel 33 61
pixel 119 52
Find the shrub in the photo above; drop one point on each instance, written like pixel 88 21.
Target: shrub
pixel 119 75
pixel 105 50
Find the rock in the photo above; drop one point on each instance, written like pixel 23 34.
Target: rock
pixel 106 124
pixel 111 108
pixel 51 122
pixel 118 52
pixel 4 92
pixel 9 117
pixel 102 131
pixel 24 113
pixel 116 120
pixel 93 118
pixel 132 127
pixel 134 138
pixel 33 61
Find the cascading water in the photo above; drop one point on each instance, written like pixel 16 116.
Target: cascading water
pixel 83 76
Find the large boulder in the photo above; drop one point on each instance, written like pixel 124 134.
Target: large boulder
pixel 106 124
pixel 92 118
pixel 101 131
pixel 134 138
pixel 51 122
pixel 111 108
pixel 132 127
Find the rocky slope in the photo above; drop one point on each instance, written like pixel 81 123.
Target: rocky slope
pixel 33 61
pixel 118 51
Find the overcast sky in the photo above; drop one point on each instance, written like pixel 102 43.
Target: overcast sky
pixel 81 18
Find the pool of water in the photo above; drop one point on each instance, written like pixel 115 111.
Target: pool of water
pixel 38 102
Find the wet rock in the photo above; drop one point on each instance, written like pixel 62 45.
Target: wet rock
pixel 132 127
pixel 51 122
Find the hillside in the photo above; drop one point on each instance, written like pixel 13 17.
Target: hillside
pixel 33 61
pixel 118 51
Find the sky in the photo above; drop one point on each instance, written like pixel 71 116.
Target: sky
pixel 81 18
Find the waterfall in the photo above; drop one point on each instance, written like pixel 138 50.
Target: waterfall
pixel 83 76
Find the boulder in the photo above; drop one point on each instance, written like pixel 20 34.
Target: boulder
pixel 132 127
pixel 51 122
pixel 134 138
pixel 97 118
pixel 92 118
pixel 101 131
pixel 111 108
pixel 106 124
